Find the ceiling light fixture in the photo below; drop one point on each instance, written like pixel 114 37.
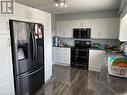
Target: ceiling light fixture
pixel 60 3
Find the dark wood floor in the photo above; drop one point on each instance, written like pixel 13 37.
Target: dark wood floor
pixel 68 81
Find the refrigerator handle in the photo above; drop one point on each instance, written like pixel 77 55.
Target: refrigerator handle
pixel 33 43
pixel 35 47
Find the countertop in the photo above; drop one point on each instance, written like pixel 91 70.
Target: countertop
pixel 108 85
pixel 72 47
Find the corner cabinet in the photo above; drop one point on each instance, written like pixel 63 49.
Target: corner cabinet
pixel 96 59
pixel 6 69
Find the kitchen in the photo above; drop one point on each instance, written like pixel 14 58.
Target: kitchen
pixel 73 43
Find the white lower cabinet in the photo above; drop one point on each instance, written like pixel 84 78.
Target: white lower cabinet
pixel 6 71
pixel 96 59
pixel 61 55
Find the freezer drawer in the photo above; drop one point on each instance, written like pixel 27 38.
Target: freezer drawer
pixel 28 84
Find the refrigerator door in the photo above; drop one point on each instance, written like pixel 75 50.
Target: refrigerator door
pixel 30 83
pixel 39 45
pixel 21 38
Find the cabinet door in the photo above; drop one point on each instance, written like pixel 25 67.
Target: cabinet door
pixel 4 25
pixel 67 29
pixel 114 28
pixel 59 29
pixel 123 29
pixel 61 55
pixel 95 28
pixel 48 58
pixel 86 23
pixel 21 12
pixel 34 15
pixel 64 29
pixel 77 23
pixel 96 59
pixel 82 23
pixel 6 86
pixel 6 70
pixel 104 28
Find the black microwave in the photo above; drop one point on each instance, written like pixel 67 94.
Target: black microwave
pixel 82 33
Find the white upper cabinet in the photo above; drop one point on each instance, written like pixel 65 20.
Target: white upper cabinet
pixel 95 30
pixel 101 28
pixel 21 12
pixel 64 29
pixel 82 23
pixel 25 13
pixel 104 28
pixel 4 25
pixel 123 29
pixel 114 26
pixel 34 15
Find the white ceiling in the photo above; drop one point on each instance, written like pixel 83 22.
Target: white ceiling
pixel 74 6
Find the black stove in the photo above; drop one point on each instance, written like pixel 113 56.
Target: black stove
pixel 80 54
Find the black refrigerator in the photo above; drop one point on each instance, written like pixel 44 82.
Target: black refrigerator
pixel 27 41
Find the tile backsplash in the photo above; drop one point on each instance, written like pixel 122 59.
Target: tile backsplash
pixel 110 42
